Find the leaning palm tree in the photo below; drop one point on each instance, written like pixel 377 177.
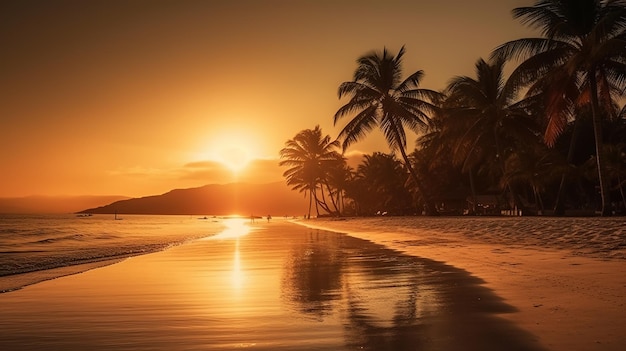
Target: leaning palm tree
pixel 309 155
pixel 337 179
pixel 380 98
pixel 580 59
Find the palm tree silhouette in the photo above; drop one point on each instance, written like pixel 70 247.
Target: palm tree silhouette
pixel 583 49
pixel 485 121
pixel 384 179
pixel 379 98
pixel 309 156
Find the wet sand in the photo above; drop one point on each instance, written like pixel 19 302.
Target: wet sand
pixel 565 277
pixel 281 286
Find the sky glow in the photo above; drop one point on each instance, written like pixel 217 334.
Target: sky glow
pixel 139 97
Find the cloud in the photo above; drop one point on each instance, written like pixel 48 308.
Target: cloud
pixel 256 171
pixel 203 164
pixel 139 172
pixel 207 171
pixel 198 173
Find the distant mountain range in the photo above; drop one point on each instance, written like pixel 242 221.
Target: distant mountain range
pixel 53 204
pixel 217 199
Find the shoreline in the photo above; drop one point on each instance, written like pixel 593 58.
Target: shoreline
pixel 68 246
pixel 565 276
pixel 14 282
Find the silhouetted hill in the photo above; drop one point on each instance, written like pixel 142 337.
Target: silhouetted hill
pixel 216 199
pixel 53 204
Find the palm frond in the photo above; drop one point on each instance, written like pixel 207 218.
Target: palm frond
pixel 361 124
pixel 411 82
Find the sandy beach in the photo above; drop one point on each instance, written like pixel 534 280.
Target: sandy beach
pixel 265 286
pixel 564 277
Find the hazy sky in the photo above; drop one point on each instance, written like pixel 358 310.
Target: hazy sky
pixel 139 97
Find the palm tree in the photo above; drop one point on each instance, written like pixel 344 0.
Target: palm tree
pixel 583 49
pixel 383 178
pixel 536 166
pixel 337 180
pixel 615 153
pixel 309 156
pixel 484 121
pixel 379 98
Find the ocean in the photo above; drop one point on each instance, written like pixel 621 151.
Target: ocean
pixel 34 248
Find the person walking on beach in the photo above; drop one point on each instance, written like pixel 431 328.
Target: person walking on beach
pixel 268 218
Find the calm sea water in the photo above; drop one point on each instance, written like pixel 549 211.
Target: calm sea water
pixel 38 244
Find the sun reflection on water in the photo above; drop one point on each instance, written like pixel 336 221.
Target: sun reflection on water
pixel 235 228
pixel 238 275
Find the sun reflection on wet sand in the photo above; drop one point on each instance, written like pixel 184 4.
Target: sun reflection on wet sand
pixel 235 228
pixel 238 275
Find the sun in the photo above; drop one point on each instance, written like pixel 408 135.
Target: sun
pixel 232 149
pixel 234 157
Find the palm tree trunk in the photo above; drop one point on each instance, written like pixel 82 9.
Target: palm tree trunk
pixel 341 201
pixel 538 200
pixel 473 191
pixel 322 202
pixel 310 203
pixel 500 158
pixel 621 191
pixel 559 205
pixel 597 132
pixel 334 200
pixel 429 206
pixel 317 202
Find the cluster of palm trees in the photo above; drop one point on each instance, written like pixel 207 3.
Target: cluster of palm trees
pixel 551 135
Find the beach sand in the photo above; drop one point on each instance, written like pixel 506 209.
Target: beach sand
pixel 565 277
pixel 274 286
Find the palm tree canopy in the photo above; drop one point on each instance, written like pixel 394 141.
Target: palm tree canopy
pixel 308 156
pixel 582 39
pixel 380 98
pixel 483 116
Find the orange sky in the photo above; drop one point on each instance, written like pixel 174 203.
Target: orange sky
pixel 136 98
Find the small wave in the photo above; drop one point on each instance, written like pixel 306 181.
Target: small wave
pixel 74 237
pixel 30 245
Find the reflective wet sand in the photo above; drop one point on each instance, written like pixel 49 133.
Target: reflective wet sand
pixel 564 275
pixel 276 286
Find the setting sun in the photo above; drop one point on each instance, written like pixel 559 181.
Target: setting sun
pixel 231 147
pixel 234 157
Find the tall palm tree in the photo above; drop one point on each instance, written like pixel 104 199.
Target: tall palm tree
pixel 380 98
pixel 583 48
pixel 484 121
pixel 309 156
